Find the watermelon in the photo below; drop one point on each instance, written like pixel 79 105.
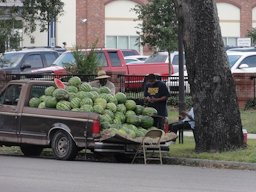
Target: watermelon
pixel 75 102
pixel 150 111
pixel 112 99
pixel 86 108
pixel 75 109
pixel 120 116
pixel 60 94
pixel 42 98
pixel 50 102
pixel 104 89
pixel 110 113
pixel 130 104
pixel 41 105
pixel 133 119
pixel 139 109
pixel 49 91
pixel 130 112
pixel 86 101
pixel 96 89
pixel 34 102
pixel 59 83
pixel 121 108
pixel 121 97
pixel 98 109
pixel 71 88
pixel 100 101
pixel 85 87
pixel 63 105
pixel 122 132
pixel 94 94
pixel 75 81
pixel 105 125
pixel 105 118
pixel 146 121
pixel 71 95
pixel 111 106
pixel 81 94
pixel 117 121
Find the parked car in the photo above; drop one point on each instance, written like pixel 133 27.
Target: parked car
pixel 242 62
pixel 24 61
pixel 59 49
pixel 239 62
pixel 243 49
pixel 129 52
pixel 135 58
pixel 162 57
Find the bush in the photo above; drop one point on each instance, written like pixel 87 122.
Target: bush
pixel 86 62
pixel 174 101
pixel 250 104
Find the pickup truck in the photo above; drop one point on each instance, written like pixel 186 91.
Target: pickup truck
pixel 66 132
pixel 109 60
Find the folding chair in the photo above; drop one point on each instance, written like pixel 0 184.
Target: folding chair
pixel 150 145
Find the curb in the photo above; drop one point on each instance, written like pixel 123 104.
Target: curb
pixel 209 163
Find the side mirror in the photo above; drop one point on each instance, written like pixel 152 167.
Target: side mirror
pixel 243 66
pixel 25 66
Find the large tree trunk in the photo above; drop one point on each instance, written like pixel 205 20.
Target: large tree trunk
pixel 217 115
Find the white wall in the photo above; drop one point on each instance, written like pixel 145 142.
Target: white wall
pixel 65 29
pixel 119 18
pixel 41 39
pixel 229 16
pixel 66 26
pixel 254 17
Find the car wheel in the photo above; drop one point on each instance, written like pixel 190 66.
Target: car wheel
pixel 31 150
pixel 63 146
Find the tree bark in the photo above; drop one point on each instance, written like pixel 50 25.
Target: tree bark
pixel 217 115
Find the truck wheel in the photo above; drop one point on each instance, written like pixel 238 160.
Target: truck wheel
pixel 63 146
pixel 31 150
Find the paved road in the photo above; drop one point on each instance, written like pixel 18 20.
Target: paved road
pixel 22 174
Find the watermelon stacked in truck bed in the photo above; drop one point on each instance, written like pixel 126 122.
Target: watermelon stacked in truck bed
pixel 118 115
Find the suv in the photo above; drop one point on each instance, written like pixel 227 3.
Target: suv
pixel 162 57
pixel 239 62
pixel 24 61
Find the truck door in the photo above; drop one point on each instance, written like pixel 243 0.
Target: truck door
pixel 9 117
pixel 115 61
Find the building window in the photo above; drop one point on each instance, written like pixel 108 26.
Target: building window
pixel 122 42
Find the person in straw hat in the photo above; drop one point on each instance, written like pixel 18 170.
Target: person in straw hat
pixel 102 80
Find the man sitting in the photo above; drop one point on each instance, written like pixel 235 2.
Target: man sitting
pixel 187 121
pixel 102 80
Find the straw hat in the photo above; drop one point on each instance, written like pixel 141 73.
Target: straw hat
pixel 102 75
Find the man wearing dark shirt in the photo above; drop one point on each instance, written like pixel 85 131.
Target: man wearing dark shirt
pixel 156 95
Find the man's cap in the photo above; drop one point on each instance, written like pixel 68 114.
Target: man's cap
pixel 151 76
pixel 102 75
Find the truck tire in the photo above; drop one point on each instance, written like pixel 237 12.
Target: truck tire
pixel 31 150
pixel 63 146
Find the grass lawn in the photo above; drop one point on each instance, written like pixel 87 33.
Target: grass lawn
pixel 247 117
pixel 186 150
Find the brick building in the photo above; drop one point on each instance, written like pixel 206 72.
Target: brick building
pixel 112 22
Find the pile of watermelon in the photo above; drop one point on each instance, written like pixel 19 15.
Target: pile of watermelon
pixel 118 115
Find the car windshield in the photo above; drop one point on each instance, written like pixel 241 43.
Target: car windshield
pixel 65 59
pixel 232 59
pixel 156 58
pixel 10 59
